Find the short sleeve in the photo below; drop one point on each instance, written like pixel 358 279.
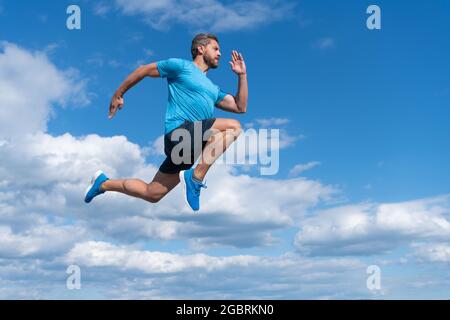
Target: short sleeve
pixel 220 96
pixel 170 68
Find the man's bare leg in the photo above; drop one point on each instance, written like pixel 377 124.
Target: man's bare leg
pixel 154 191
pixel 227 131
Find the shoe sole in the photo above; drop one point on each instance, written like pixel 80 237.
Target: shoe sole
pixel 183 183
pixel 96 175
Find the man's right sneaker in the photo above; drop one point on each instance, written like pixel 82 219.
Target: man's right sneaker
pixel 94 188
pixel 191 188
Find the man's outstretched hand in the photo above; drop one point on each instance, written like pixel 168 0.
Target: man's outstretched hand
pixel 116 104
pixel 237 63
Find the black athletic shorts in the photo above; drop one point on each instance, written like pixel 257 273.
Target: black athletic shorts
pixel 203 127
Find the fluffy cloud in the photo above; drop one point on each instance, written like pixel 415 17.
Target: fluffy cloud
pixel 215 15
pixel 105 254
pixel 374 228
pixel 42 240
pixel 432 252
pixel 43 159
pixel 299 168
pixel 29 85
pixel 143 274
pixel 166 275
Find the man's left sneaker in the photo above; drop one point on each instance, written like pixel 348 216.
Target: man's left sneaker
pixel 191 188
pixel 94 188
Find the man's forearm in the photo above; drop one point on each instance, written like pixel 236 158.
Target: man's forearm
pixel 242 94
pixel 136 76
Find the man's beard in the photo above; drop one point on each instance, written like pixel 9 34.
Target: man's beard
pixel 210 62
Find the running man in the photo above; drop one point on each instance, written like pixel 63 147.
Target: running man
pixel 192 98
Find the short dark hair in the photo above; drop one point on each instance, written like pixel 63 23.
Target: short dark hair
pixel 202 39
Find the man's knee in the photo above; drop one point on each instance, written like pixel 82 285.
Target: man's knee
pixel 234 125
pixel 223 125
pixel 233 128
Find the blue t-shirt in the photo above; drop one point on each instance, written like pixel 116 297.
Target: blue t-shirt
pixel 192 96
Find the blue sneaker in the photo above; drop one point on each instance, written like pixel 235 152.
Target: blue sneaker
pixel 94 188
pixel 191 188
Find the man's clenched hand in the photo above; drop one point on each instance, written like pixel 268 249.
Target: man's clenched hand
pixel 116 104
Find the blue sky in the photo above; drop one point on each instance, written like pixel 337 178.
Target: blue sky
pixel 369 107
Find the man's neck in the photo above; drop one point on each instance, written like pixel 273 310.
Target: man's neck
pixel 200 63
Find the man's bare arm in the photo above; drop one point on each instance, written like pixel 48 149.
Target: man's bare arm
pixel 149 70
pixel 238 103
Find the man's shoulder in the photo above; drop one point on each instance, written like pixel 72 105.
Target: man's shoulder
pixel 179 61
pixel 172 67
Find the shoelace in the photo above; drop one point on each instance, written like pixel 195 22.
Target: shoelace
pixel 198 187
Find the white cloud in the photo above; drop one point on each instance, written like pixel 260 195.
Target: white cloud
pixel 214 15
pixel 288 140
pixel 43 239
pixel 156 147
pixel 169 275
pixel 127 272
pixel 374 228
pixel 299 168
pixel 101 254
pixel 138 227
pixel 42 159
pixel 432 252
pixel 29 85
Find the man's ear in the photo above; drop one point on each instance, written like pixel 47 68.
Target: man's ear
pixel 201 49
